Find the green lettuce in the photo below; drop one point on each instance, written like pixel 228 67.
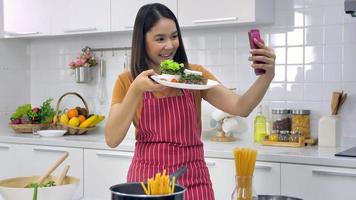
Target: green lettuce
pixel 171 67
pixel 21 111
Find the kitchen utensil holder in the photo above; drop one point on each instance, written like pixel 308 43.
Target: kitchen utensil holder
pixel 71 130
pixel 329 131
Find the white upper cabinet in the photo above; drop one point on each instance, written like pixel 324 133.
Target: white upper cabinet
pixel 24 18
pixel 123 12
pixel 29 18
pixel 211 12
pixel 80 16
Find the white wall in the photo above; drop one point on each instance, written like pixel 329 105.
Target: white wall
pixel 314 41
pixel 14 77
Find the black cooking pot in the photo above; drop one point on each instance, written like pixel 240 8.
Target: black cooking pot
pixel 134 191
pixel 275 197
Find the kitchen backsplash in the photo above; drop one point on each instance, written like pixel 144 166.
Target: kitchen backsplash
pixel 313 39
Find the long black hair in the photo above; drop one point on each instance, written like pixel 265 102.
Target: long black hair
pixel 146 18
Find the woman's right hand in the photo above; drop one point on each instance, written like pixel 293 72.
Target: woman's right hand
pixel 143 82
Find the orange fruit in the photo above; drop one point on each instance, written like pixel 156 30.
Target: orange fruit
pixel 72 113
pixel 81 118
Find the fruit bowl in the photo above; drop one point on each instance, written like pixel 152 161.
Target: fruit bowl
pixel 76 130
pixel 76 120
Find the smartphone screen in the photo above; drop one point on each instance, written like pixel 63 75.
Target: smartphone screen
pixel 255 34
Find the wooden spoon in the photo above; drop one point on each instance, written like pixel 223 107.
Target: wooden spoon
pixel 63 175
pixel 52 168
pixel 336 96
pixel 342 100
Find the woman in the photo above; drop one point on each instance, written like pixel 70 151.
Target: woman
pixel 168 120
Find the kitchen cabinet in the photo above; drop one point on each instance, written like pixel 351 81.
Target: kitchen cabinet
pixel 80 16
pixel 102 169
pixel 35 160
pixel 31 160
pixel 266 178
pixel 222 175
pixel 9 166
pixel 210 12
pixel 123 12
pixel 24 18
pixel 312 182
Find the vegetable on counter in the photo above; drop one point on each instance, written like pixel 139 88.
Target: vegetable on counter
pixel 25 114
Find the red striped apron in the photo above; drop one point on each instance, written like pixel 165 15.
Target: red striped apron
pixel 168 136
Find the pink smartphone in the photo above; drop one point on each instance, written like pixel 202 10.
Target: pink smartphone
pixel 255 34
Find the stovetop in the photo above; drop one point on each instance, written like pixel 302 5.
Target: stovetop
pixel 348 152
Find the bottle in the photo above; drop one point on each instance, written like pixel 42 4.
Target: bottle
pixel 260 130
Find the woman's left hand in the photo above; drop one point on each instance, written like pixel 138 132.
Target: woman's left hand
pixel 266 56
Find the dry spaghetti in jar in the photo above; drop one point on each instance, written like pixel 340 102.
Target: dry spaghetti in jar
pixel 301 122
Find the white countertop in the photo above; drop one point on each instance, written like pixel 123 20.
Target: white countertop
pixel 312 155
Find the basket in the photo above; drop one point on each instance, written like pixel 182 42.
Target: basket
pixel 70 129
pixel 27 128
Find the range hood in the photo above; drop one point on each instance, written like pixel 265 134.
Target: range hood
pixel 350 7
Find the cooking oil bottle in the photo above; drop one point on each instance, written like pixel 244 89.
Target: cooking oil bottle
pixel 260 130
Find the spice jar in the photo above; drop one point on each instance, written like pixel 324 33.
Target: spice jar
pixel 273 136
pixel 301 122
pixel 284 136
pixel 281 120
pixel 294 136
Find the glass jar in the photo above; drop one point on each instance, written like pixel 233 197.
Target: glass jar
pixel 284 136
pixel 273 136
pixel 294 136
pixel 281 120
pixel 301 122
pixel 244 189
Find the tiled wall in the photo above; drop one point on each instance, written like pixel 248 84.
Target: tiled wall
pixel 314 41
pixel 14 77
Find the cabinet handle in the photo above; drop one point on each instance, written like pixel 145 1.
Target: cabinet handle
pixel 21 33
pixel 49 150
pixel 4 147
pixel 264 167
pixel 333 173
pixel 226 19
pixel 80 30
pixel 210 163
pixel 113 155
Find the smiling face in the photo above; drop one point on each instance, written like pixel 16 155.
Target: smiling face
pixel 162 42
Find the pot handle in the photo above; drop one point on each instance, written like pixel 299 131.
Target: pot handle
pixel 178 173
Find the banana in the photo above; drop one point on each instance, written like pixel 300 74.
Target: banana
pixel 97 120
pixel 88 121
